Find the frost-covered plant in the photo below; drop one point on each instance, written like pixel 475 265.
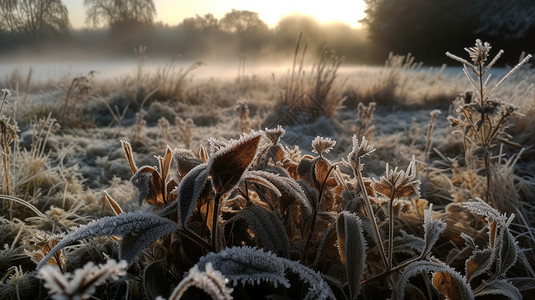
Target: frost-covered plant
pixel 83 282
pixel 186 130
pixel 243 116
pixel 482 118
pixel 363 125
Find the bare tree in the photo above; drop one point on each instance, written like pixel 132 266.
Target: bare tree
pixel 120 15
pixel 34 19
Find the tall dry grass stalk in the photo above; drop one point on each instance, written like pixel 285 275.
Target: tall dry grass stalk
pixel 434 114
pixel 311 94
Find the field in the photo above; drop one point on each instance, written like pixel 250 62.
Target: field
pixel 320 181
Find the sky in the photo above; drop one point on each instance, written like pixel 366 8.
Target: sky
pixel 172 12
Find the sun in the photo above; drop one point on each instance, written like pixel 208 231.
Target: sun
pixel 346 11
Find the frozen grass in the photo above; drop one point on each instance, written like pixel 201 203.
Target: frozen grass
pixel 313 204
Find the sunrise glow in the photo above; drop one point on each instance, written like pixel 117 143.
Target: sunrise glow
pixel 172 12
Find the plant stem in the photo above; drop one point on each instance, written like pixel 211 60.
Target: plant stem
pixel 318 205
pixel 391 231
pixel 369 213
pixel 215 217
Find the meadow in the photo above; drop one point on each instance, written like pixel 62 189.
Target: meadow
pixel 311 181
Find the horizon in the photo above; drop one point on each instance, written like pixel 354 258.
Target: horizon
pixel 172 12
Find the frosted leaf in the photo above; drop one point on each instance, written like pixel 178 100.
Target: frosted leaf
pixel 479 263
pixel 137 229
pixel 506 245
pixel 142 182
pixel 507 250
pixel 416 243
pixel 227 165
pixel 426 267
pixel 189 190
pixel 468 240
pixel 310 193
pixel 247 265
pixel 480 207
pixel 500 287
pixel 211 281
pixel 352 249
pixel 318 288
pixel 251 176
pixel 285 184
pixel 267 228
pixel 82 284
pixel 433 228
pixel 185 160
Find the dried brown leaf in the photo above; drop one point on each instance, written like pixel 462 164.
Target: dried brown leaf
pixel 228 164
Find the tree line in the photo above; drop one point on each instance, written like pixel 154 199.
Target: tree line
pixel 430 27
pixel 424 28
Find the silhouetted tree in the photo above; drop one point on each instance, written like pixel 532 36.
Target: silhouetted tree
pixel 205 23
pixel 34 19
pixel 425 28
pixel 429 28
pixel 122 16
pixel 241 21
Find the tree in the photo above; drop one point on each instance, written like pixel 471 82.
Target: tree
pixel 34 20
pixel 422 27
pixel 206 23
pixel 120 15
pixel 241 21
